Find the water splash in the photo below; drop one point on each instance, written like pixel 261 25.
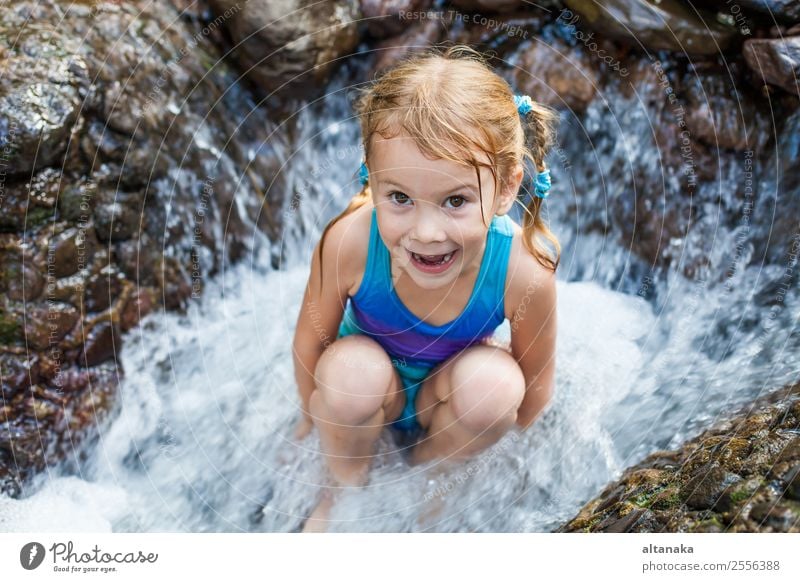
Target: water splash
pixel 203 443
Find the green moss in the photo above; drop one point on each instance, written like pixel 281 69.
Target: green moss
pixel 643 499
pixel 593 522
pixel 740 495
pixel 647 498
pixel 8 329
pixel 39 216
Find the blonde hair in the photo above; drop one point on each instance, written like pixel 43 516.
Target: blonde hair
pixel 431 96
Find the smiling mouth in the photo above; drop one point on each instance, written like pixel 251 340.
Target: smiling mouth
pixel 433 259
pixel 433 264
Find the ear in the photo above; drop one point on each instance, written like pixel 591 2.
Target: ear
pixel 509 193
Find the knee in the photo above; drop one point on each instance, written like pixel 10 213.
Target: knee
pixel 487 390
pixel 353 377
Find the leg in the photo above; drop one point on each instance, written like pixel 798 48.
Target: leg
pixel 357 392
pixel 468 403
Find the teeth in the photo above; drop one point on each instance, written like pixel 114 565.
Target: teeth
pixel 432 258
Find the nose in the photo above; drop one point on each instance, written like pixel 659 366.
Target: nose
pixel 429 227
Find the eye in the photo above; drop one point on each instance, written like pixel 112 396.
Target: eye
pixel 399 198
pixel 457 201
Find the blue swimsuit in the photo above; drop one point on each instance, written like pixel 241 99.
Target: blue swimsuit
pixel 414 346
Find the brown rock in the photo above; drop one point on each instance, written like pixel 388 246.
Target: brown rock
pixel 557 75
pixel 18 373
pixel 103 289
pixel 489 5
pixel 138 306
pixel 417 36
pixel 776 61
pixel 666 25
pixel 778 517
pixel 706 489
pixel 102 343
pixel 291 55
pixel 386 18
pixel 46 325
pixel 68 253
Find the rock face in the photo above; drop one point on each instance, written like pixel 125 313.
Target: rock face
pixel 664 25
pixel 385 18
pixel 116 198
pixel 289 46
pixel 741 476
pixel 777 61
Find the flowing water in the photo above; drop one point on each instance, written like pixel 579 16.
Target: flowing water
pixel 645 360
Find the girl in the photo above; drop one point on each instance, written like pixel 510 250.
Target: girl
pixel 415 275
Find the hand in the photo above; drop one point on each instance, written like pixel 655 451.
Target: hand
pixel 303 427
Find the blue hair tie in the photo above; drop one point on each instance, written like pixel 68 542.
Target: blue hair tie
pixel 542 184
pixel 523 103
pixel 363 174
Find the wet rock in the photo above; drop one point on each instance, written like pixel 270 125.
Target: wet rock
pixel 42 85
pixel 72 380
pixel 666 25
pixel 720 114
pixel 289 54
pixel 775 516
pixel 77 201
pixel 161 116
pixel 778 242
pixel 667 498
pixel 137 259
pixel 138 306
pixel 767 11
pixel 30 204
pixel 696 491
pixel 68 253
pixel 489 5
pixel 174 282
pixel 18 374
pixel 776 61
pixel 101 344
pixel 103 289
pixel 792 480
pixel 765 453
pixel 19 277
pixel 624 524
pixel 197 10
pixel 556 75
pixel 705 490
pixel 46 325
pixel 118 215
pixel 420 33
pixel 782 10
pixel 385 18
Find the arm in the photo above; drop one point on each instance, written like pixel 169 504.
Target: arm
pixel 533 338
pixel 321 311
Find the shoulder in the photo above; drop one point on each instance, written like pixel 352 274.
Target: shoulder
pixel 528 282
pixel 346 245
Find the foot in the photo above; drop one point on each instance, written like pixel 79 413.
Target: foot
pixel 318 521
pixel 430 513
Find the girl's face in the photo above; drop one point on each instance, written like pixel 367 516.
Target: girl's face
pixel 429 211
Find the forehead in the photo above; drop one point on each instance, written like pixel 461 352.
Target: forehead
pixel 399 157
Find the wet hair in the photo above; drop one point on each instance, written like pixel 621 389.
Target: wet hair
pixel 452 104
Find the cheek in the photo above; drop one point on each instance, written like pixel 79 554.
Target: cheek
pixel 391 232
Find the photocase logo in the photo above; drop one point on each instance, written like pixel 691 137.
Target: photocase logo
pixel 31 555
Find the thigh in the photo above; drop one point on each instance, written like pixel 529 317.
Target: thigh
pixel 361 363
pixel 438 386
